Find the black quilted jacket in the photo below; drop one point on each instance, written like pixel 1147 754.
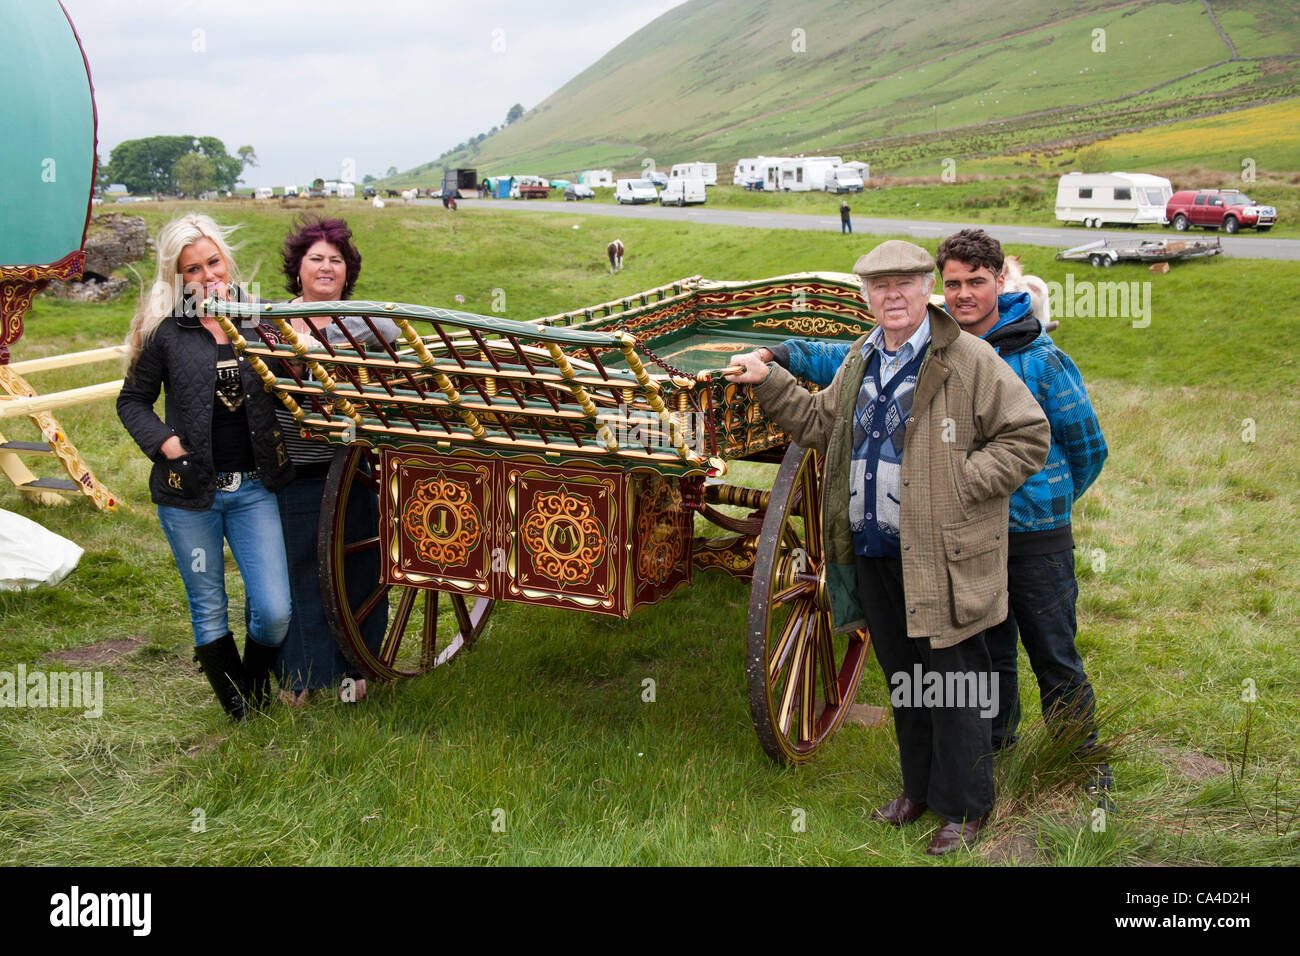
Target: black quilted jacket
pixel 181 358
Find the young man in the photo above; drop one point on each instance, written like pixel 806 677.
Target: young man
pixel 1040 568
pixel 926 432
pixel 846 221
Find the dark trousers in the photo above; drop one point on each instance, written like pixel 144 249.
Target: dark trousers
pixel 310 658
pixel 945 751
pixel 846 226
pixel 1042 591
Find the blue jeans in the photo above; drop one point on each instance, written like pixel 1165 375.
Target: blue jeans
pixel 1042 592
pixel 846 226
pixel 249 520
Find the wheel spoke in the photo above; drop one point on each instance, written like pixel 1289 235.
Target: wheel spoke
pixel 367 607
pixel 393 639
pixel 776 658
pixel 790 694
pixel 812 514
pixel 364 544
pixel 826 656
pixel 808 686
pixel 790 593
pixel 462 616
pixel 429 644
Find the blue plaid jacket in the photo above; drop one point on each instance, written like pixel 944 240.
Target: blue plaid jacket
pixel 1078 451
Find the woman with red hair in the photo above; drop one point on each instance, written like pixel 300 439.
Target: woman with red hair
pixel 321 264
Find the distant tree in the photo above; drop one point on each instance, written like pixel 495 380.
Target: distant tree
pixel 147 165
pixel 493 130
pixel 1093 159
pixel 247 158
pixel 194 174
pixel 516 111
pixel 367 178
pixel 392 171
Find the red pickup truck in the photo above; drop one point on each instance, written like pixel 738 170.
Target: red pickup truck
pixel 1215 208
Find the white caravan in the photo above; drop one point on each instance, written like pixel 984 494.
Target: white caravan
pixel 748 172
pixel 683 192
pixel 1099 199
pixel 803 173
pixel 347 190
pixel 705 171
pixel 264 192
pixel 635 191
pixel 596 177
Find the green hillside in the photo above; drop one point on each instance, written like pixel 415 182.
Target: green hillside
pixel 901 84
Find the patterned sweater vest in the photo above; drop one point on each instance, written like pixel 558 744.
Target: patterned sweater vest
pixel 879 426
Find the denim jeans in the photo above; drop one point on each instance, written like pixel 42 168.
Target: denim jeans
pixel 1042 592
pixel 249 520
pixel 846 226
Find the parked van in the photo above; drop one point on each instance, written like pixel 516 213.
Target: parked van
pixel 635 191
pixel 705 171
pixel 1099 199
pixel 263 192
pixel 683 192
pixel 842 179
pixel 291 190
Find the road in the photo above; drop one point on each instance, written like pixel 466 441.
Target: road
pixel 1248 246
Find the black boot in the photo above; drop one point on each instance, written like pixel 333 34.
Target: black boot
pixel 258 661
pixel 220 661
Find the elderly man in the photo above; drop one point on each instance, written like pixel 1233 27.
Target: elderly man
pixel 1040 572
pixel 926 433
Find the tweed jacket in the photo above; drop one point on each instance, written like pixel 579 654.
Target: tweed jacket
pixel 974 435
pixel 181 358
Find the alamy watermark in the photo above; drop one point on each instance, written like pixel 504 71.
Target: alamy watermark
pixel 1103 300
pixel 923 688
pixel 130 910
pixel 76 690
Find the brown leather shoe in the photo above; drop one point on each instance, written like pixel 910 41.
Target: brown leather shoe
pixel 951 836
pixel 898 811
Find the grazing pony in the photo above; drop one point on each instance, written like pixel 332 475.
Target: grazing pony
pixel 1015 280
pixel 615 252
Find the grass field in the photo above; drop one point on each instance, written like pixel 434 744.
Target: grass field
pixel 537 747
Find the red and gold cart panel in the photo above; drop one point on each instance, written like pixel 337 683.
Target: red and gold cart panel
pixel 583 538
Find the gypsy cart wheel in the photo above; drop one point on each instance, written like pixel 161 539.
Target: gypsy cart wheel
pixel 386 631
pixel 802 678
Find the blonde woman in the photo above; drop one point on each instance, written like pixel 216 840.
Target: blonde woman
pixel 218 457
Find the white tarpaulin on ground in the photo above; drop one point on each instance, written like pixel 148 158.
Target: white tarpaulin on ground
pixel 31 556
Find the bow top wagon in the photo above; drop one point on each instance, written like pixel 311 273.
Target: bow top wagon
pixel 561 462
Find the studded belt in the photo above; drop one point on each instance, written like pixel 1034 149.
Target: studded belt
pixel 231 480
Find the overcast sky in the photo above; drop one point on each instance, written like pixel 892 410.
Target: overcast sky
pixel 311 86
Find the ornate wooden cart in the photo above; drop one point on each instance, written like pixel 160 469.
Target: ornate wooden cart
pixel 561 462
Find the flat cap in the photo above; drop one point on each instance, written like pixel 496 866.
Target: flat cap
pixel 894 257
